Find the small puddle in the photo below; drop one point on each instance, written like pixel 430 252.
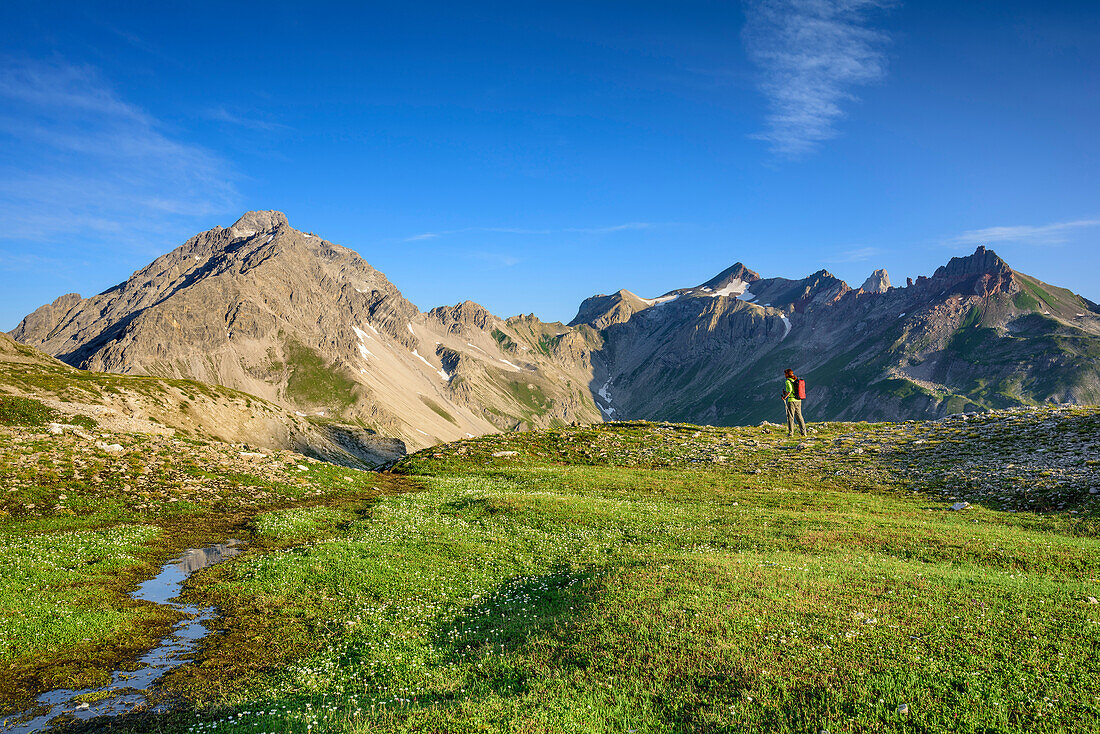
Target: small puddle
pixel 127 688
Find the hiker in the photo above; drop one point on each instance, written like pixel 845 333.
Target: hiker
pixel 794 404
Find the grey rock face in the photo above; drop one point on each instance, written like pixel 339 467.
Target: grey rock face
pixel 982 261
pixel 295 319
pixel 259 221
pixel 47 317
pixel 877 282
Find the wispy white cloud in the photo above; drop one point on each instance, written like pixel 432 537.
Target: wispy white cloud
pixel 1044 234
pixel 854 256
pixel 423 236
pixel 221 114
pixel 811 53
pixel 76 158
pixel 612 228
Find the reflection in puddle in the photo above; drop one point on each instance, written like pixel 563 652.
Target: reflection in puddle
pixel 126 690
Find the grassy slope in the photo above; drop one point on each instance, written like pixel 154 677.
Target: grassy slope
pixel 636 577
pixel 81 526
pixel 194 409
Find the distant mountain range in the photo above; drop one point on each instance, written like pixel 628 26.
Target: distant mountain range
pixel 974 336
pixel 292 318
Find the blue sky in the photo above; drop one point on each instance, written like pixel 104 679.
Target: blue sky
pixel 528 155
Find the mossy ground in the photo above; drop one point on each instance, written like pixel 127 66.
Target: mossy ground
pixel 626 577
pixel 80 527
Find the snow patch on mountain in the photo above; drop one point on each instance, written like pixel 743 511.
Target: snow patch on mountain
pixel 605 393
pixel 734 288
pixel 442 373
pixel 363 351
pixel 661 300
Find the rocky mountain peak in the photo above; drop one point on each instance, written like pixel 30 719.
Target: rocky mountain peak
pixel 982 273
pixel 737 271
pixel 463 316
pixel 981 262
pixel 877 282
pixel 258 221
pixel 46 317
pixel 602 311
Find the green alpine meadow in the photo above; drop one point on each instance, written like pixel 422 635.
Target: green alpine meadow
pixel 620 577
pixel 451 367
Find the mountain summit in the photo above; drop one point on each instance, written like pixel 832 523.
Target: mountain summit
pixel 877 282
pixel 293 318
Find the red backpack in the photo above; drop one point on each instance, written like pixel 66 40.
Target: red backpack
pixel 800 389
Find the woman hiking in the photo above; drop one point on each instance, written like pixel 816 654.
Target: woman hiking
pixel 794 405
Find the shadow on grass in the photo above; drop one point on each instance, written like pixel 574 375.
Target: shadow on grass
pixel 491 632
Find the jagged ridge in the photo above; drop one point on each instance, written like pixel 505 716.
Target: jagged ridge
pixel 298 320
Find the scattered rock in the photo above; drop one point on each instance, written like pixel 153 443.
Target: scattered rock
pixel 110 448
pixel 903 709
pixel 1092 600
pixel 498 454
pixel 960 505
